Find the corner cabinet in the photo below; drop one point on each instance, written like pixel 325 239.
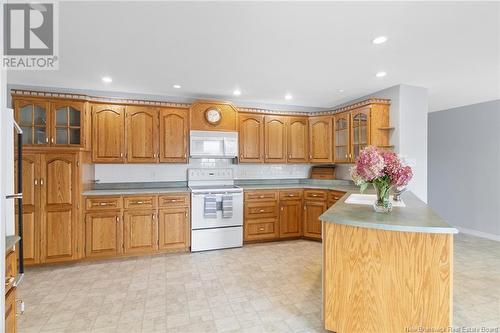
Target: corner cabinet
pixel 251 137
pixel 108 134
pixel 174 135
pixel 320 139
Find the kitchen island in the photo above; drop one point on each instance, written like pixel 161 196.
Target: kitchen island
pixel 386 272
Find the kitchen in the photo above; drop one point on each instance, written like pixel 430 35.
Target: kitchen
pixel 198 210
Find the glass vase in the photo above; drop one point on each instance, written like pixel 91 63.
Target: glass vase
pixel 383 203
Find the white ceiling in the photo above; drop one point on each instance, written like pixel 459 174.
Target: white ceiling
pixel 268 49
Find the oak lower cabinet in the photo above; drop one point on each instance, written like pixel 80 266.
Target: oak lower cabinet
pixel 50 207
pixel 10 291
pixel 140 231
pixel 261 217
pixel 173 228
pixel 315 204
pixel 312 212
pixel 291 218
pixel 136 224
pixel 103 234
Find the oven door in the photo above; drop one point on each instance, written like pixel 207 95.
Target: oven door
pixel 199 221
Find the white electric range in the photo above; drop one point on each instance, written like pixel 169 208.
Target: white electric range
pixel 216 210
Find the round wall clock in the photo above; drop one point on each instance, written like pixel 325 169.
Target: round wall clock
pixel 213 116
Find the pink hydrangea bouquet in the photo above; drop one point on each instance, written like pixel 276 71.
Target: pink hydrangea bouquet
pixel 384 170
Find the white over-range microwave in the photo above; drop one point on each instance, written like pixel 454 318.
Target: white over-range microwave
pixel 211 144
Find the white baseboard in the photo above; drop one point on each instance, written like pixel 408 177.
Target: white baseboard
pixel 481 234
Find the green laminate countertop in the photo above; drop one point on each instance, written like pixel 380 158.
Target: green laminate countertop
pixel 10 241
pixel 415 217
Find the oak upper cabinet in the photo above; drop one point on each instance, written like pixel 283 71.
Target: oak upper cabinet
pixel 103 233
pixel 34 118
pixel 59 194
pixel 297 140
pixel 341 137
pixel 140 232
pixel 320 139
pixel 312 212
pixel 108 134
pixel 67 122
pixel 251 136
pixel 275 139
pixel 141 134
pixel 174 135
pixel 31 210
pixel 360 131
pixel 290 218
pixel 173 228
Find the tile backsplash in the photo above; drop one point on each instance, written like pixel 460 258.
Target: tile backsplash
pixel 120 173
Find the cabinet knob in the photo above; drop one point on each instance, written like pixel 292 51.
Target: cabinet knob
pixel 261 211
pixel 51 140
pixel 281 208
pixel 261 229
pixel 121 154
pixel 41 181
pixel 36 181
pixel 261 196
pixel 46 140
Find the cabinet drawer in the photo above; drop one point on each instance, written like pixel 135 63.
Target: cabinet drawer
pixel 261 195
pixel 315 195
pixel 255 210
pixel 335 195
pixel 290 194
pixel 103 203
pixel 261 229
pixel 10 270
pixel 174 200
pixel 148 201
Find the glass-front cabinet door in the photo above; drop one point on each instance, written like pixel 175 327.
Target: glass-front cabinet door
pixel 33 117
pixel 341 138
pixel 67 123
pixel 360 131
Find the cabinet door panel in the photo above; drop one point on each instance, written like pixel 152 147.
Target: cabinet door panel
pixel 67 119
pixel 360 128
pixel 341 138
pixel 290 218
pixel 108 135
pixel 139 231
pixel 312 224
pixel 275 139
pixel 251 136
pixel 173 228
pixel 298 140
pixel 58 196
pixel 103 234
pixel 320 139
pixel 34 118
pixel 142 134
pixel 174 133
pixel 31 211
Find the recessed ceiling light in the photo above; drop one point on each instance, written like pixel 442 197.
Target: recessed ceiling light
pixel 288 97
pixel 237 92
pixel 379 40
pixel 381 74
pixel 177 86
pixel 107 79
pixel 340 90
